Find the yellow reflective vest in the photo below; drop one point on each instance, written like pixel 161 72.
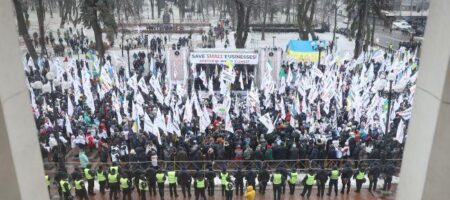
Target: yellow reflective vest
pixel 277 179
pixel 112 178
pixel 78 184
pixel 160 177
pixel 87 174
pixel 47 180
pixel 200 184
pixel 171 176
pixel 223 178
pixel 124 183
pixel 101 176
pixel 334 175
pixel 310 179
pixel 62 183
pixel 293 178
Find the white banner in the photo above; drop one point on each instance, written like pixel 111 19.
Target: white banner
pixel 221 58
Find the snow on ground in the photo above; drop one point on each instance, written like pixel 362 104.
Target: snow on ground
pixel 253 42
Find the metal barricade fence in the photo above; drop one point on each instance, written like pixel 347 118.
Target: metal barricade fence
pixel 231 165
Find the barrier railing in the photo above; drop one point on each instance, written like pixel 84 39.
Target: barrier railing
pixel 232 165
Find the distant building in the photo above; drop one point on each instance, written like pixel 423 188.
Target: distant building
pixel 408 5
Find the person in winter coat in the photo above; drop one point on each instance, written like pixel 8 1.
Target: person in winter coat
pixel 263 178
pixel 345 177
pixel 250 193
pixel 374 174
pixel 210 175
pixel 321 178
pixel 250 177
pixel 84 160
pixel 239 181
pixel 184 181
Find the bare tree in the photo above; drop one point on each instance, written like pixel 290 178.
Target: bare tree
pixel 152 5
pixel 243 14
pixel 361 20
pixel 181 8
pixel 23 31
pixel 305 22
pixel 40 12
pixel 64 10
pixel 263 33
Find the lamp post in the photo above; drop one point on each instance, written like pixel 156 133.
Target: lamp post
pixel 390 77
pixel 273 41
pixel 50 77
pixel 319 45
pixel 128 56
pixel 122 43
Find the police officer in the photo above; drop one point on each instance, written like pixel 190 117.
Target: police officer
pixel 388 171
pixel 114 166
pixel 250 177
pixel 90 177
pixel 276 180
pixel 184 181
pixel 374 174
pixel 101 178
pixel 293 176
pixel 321 177
pixel 58 177
pixel 172 179
pixel 47 182
pixel 285 174
pixel 65 187
pixel 345 178
pixel 160 179
pixel 263 178
pixel 142 187
pixel 80 190
pixel 199 184
pixel 125 186
pixel 239 181
pixel 113 182
pixel 135 176
pixel 151 178
pixel 360 179
pixel 308 182
pixel 223 179
pixel 229 187
pixel 210 175
pixel 334 177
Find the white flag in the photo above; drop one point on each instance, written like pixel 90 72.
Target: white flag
pixel 69 106
pixel 68 125
pixel 241 81
pixel 160 122
pixel 143 86
pixel 204 120
pixel 282 107
pixel 228 124
pixel 148 124
pixel 267 122
pixel 400 132
pixel 188 111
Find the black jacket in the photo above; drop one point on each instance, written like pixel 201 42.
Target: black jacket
pixel 346 172
pixel 210 175
pixel 250 177
pixel 264 176
pixel 184 177
pixel 239 177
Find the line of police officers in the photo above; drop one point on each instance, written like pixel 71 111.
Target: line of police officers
pixel 118 180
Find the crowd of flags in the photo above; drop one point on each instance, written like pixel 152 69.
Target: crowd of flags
pixel 311 92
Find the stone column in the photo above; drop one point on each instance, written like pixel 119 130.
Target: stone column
pixel 426 163
pixel 21 170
